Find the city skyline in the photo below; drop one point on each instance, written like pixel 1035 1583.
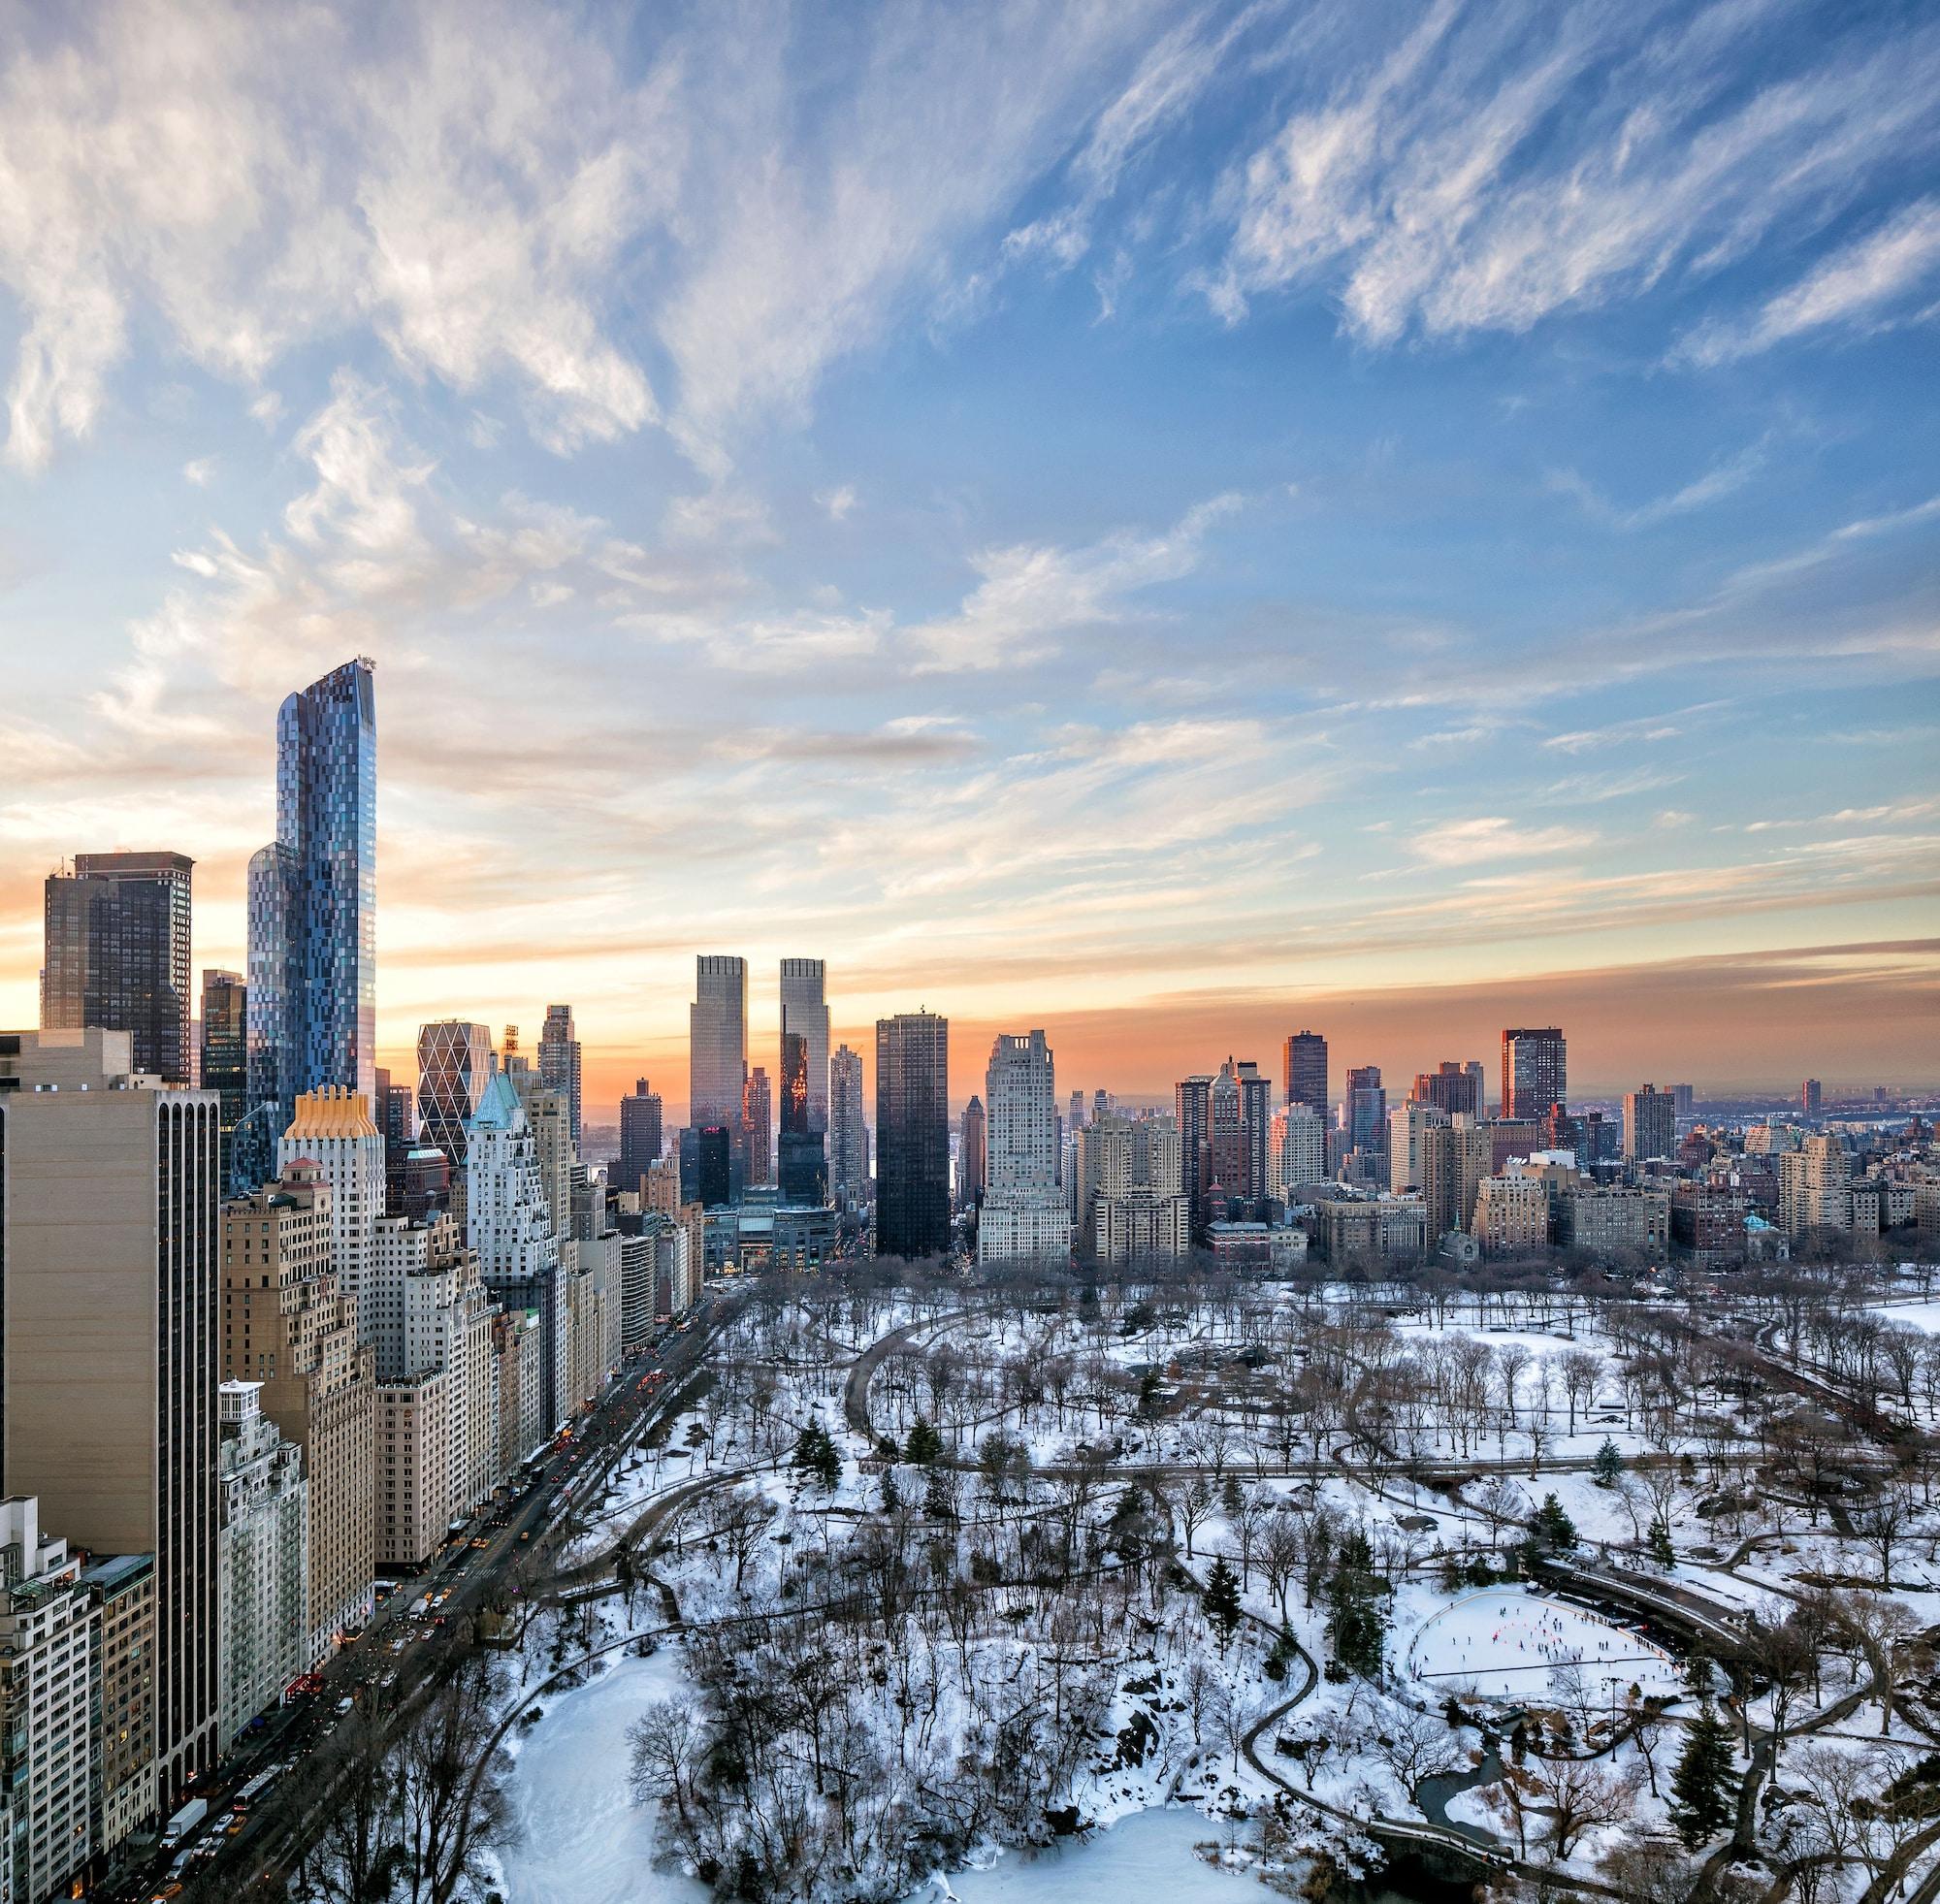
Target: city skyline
pixel 1124 567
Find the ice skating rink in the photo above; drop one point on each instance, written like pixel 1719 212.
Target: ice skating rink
pixel 1506 1641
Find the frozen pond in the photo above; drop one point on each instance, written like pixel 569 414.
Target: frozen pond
pixel 1145 1854
pixel 586 1843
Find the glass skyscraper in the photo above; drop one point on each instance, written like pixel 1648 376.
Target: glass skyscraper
pixel 313 901
pixel 911 1134
pixel 118 930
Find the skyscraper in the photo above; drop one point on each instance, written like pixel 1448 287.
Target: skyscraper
pixel 1811 1096
pixel 801 1164
pixel 716 1041
pixel 641 1135
pixel 848 1132
pixel 1364 1121
pixel 509 1223
pixel 1306 1059
pixel 805 1011
pixel 289 1324
pixel 758 1123
pixel 398 1123
pixel 1025 1218
pixel 313 899
pixel 911 1134
pixel 108 1362
pixel 454 1067
pixel 1450 1087
pixel 1650 1124
pixel 559 1064
pixel 1535 1072
pixel 118 930
pixel 1194 1100
pixel 972 1154
pixel 225 1046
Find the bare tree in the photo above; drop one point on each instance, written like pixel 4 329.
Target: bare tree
pixel 1578 1794
pixel 1418 1745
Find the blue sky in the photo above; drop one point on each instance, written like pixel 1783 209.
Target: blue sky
pixel 1088 515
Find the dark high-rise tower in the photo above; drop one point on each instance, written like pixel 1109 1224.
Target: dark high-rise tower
pixel 911 1134
pixel 117 933
pixel 802 1166
pixel 559 1063
pixel 1534 1073
pixel 313 901
pixel 1195 1140
pixel 397 1118
pixel 717 1046
pixel 225 1045
pixel 1307 1071
pixel 757 1121
pixel 641 1135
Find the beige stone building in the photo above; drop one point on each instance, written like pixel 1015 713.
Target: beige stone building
pixel 1511 1215
pixel 109 1233
pixel 413 1468
pixel 288 1325
pixel 122 1589
pixel 47 1723
pixel 1815 1190
pixel 1455 1156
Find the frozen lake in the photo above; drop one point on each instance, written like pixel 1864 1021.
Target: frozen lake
pixel 586 1843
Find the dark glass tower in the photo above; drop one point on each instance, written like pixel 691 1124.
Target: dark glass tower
pixel 911 1134
pixel 1307 1071
pixel 1535 1075
pixel 802 1166
pixel 225 1053
pixel 641 1135
pixel 314 900
pixel 118 955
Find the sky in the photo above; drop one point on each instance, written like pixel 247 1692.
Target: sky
pixel 1166 522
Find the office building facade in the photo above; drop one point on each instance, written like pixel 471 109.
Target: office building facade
pixel 263 1559
pixel 642 1135
pixel 848 1132
pixel 1650 1124
pixel 1025 1215
pixel 226 1055
pixel 1535 1072
pixel 1306 1069
pixel 561 1066
pixel 717 1044
pixel 108 1360
pixel 118 952
pixel 911 1134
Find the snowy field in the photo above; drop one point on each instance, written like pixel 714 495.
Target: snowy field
pixel 1140 1855
pixel 1505 1643
pixel 582 1839
pixel 1923 1316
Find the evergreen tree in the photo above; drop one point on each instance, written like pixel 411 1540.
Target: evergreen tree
pixel 938 1501
pixel 815 1457
pixel 1609 1464
pixel 1661 1549
pixel 1354 1622
pixel 1550 1527
pixel 892 1497
pixel 925 1445
pixel 1704 1784
pixel 1222 1600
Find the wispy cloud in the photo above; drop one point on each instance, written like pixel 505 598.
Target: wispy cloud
pixel 1492 168
pixel 1864 286
pixel 1473 842
pixel 1722 479
pixel 1032 595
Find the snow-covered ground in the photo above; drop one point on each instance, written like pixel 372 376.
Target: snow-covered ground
pixel 1503 1643
pixel 582 1839
pixel 1141 1856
